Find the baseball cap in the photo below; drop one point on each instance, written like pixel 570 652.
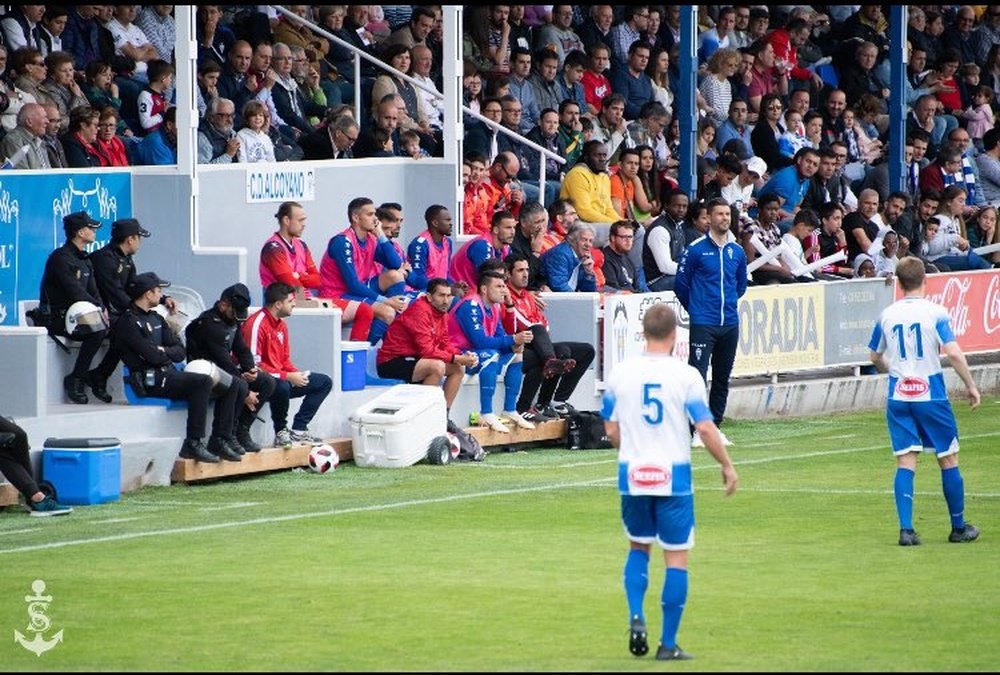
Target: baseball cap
pixel 126 227
pixel 735 146
pixel 78 220
pixel 757 165
pixel 238 296
pixel 146 281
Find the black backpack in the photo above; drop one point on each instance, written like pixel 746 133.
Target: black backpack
pixel 585 431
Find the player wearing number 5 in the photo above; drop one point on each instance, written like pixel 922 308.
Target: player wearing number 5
pixel 648 404
pixel 905 343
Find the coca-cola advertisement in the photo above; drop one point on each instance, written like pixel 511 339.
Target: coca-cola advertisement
pixel 973 302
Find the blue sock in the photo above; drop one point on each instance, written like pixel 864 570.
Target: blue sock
pixel 487 386
pixel 903 489
pixel 398 288
pixel 378 329
pixel 954 494
pixel 675 591
pixel 512 385
pixel 636 581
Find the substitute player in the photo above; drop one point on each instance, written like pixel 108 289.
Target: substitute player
pixel 906 342
pixel 648 404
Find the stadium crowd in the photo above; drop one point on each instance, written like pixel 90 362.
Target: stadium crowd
pixel 792 136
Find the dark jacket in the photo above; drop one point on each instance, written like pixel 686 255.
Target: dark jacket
pixel 68 278
pixel 139 334
pixel 213 337
pixel 78 156
pixel 620 273
pixel 113 270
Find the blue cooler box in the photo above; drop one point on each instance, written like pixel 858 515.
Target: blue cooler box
pixel 83 470
pixel 353 361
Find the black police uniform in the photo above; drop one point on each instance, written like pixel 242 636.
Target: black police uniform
pixel 215 338
pixel 113 270
pixel 138 335
pixel 69 278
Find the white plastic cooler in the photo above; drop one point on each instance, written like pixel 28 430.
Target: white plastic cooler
pixel 395 429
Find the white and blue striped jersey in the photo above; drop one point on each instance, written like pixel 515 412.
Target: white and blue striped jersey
pixel 910 333
pixel 652 398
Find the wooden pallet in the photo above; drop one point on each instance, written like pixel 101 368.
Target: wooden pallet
pixel 268 459
pixel 8 495
pixel 543 431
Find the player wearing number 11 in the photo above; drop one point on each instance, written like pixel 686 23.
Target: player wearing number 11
pixel 648 404
pixel 905 342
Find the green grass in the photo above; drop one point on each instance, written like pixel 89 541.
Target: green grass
pixel 515 564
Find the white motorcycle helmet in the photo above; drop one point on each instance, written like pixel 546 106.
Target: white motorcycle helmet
pixel 84 318
pixel 221 380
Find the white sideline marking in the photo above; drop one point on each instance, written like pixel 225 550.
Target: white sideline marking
pixel 234 505
pixel 414 502
pixel 29 529
pixel 109 521
pixel 825 491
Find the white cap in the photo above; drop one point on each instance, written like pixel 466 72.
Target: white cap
pixel 757 165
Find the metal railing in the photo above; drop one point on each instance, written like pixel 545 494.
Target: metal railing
pixel 545 152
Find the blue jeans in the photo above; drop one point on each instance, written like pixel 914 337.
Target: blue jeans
pixel 315 393
pixel 718 345
pixel 961 263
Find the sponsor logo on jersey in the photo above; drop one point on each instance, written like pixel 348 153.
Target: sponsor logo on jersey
pixel 648 476
pixel 912 387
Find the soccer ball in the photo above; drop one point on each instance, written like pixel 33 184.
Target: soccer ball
pixel 456 447
pixel 323 458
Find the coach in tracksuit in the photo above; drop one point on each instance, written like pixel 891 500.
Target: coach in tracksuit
pixel 711 278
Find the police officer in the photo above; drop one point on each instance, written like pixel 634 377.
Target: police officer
pixel 149 347
pixel 69 278
pixel 216 337
pixel 114 269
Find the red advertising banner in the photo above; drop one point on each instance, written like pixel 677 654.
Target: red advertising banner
pixel 973 302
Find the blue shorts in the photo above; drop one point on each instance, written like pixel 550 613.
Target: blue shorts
pixel 667 520
pixel 373 285
pixel 922 426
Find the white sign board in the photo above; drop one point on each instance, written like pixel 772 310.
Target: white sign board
pixel 280 184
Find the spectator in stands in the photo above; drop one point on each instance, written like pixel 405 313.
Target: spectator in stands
pixel 950 248
pixel 349 272
pixel 896 213
pixel 398 56
pixel 942 172
pixel 209 71
pixel 958 35
pixel 711 278
pixel 60 87
pixel 386 119
pixel 831 239
pixel 968 176
pixel 480 137
pixel 429 253
pixel 569 266
pixel 109 146
pixel 596 85
pixel 529 236
pixel 983 231
pixel 988 163
pixel 102 92
pixel 570 132
pixel 291 105
pixel 79 141
pixel 716 87
pixel 727 170
pixel 659 75
pixel 414 33
pixel 552 370
pixel 559 35
pixel 522 89
pixel 153 98
pixel 477 206
pixel 520 29
pixel 765 77
pixel 334 141
pixel 861 225
pixel 266 334
pixel 766 230
pixel 474 324
pixel 739 193
pixel 628 196
pixel 29 67
pixel 792 182
pixel 562 216
pixel 31 123
pixel 157 23
pixel 130 40
pixel 610 126
pixel 546 134
pixel 53 146
pixel 494 245
pixel 631 81
pixel 418 348
pixel 53 26
pixel 735 127
pixel 81 35
pixel 422 70
pixel 217 141
pixel 504 192
pixel 589 187
pixel 254 143
pixel 648 130
pixel 214 39
pixel 295 34
pixel 802 240
pixel 767 132
pixel 69 278
pixel 21 26
pixel 718 37
pixel 626 33
pixel 596 29
pixel 235 82
pixel 923 117
pixel 620 272
pixel 824 186
pixel 160 147
pixel 786 42
pixel 548 94
pixel 665 242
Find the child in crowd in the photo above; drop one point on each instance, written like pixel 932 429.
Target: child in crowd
pixel 794 138
pixel 102 92
pixel 153 100
pixel 883 253
pixel 968 82
pixel 861 150
pixel 979 115
pixel 255 143
pixel 410 141
pixel 864 267
pixel 586 128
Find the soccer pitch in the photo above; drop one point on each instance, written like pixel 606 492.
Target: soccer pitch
pixel 516 564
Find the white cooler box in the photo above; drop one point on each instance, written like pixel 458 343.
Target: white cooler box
pixel 395 429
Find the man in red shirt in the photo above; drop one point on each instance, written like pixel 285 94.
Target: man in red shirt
pixel 266 334
pixel 417 348
pixel 786 42
pixel 552 370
